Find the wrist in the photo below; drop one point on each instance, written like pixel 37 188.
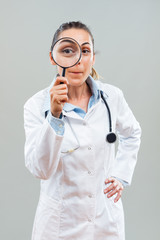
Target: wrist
pixel 56 114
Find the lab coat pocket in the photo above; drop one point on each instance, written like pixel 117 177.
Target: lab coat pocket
pixel 117 213
pixel 46 223
pixel 117 208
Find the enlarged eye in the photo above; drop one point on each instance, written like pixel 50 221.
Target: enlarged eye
pixel 68 51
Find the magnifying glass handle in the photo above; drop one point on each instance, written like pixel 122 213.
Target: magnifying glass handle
pixel 63 72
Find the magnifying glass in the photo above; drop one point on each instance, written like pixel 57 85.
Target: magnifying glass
pixel 66 53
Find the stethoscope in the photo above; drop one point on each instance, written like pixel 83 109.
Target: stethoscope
pixel 110 137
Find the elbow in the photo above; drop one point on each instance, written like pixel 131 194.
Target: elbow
pixel 139 130
pixel 138 133
pixel 45 175
pixel 38 171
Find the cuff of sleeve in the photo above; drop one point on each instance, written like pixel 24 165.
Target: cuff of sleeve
pixel 124 183
pixel 56 123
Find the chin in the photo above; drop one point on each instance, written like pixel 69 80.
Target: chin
pixel 75 83
pixel 76 79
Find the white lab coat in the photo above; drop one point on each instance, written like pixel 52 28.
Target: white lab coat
pixel 72 204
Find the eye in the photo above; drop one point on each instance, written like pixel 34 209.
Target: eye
pixel 86 51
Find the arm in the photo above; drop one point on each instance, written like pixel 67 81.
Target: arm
pixel 42 146
pixel 43 140
pixel 129 133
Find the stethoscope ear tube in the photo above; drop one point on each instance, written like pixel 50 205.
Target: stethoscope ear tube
pixel 111 136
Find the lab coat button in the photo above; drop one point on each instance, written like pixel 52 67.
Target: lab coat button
pixel 84 123
pixel 89 148
pixel 60 125
pixel 90 196
pixel 89 220
pixel 90 173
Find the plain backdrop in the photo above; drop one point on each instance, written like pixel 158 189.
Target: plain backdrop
pixel 127 41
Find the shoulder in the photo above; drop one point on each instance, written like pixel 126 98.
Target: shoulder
pixel 37 100
pixel 109 90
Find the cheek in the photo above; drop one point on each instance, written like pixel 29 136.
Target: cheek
pixel 88 63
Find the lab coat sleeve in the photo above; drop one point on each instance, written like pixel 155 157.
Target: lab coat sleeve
pixel 129 132
pixel 124 183
pixel 42 146
pixel 56 123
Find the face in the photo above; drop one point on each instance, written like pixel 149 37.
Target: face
pixel 77 74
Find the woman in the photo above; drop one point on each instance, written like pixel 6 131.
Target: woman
pixel 66 125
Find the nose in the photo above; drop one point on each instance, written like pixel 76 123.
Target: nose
pixel 79 62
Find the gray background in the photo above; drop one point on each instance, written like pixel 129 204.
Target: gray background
pixel 127 38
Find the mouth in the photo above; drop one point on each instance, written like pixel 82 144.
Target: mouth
pixel 75 72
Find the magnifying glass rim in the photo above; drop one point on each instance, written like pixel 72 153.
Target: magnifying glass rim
pixel 73 41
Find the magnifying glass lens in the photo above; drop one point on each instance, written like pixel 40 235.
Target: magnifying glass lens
pixel 66 52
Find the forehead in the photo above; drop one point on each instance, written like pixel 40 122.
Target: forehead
pixel 79 35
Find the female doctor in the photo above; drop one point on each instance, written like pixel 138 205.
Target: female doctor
pixel 82 178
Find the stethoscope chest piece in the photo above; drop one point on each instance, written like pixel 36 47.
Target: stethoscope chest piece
pixel 111 137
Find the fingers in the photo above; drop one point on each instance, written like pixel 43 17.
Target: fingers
pixel 108 180
pixel 56 91
pixel 60 80
pixel 118 196
pixel 60 98
pixel 115 187
pixel 114 191
pixel 59 95
pixel 58 88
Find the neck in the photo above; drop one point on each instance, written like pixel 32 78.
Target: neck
pixel 77 93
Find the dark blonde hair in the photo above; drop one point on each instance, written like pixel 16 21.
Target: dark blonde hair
pixel 76 25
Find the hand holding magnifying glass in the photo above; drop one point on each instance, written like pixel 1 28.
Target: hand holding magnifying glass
pixel 58 96
pixel 66 54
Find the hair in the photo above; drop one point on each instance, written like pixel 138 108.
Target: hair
pixel 76 25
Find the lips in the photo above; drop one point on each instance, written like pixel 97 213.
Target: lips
pixel 76 72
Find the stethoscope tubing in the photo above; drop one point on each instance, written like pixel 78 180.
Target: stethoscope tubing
pixel 109 112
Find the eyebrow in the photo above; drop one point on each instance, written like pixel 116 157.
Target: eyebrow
pixel 85 43
pixel 67 40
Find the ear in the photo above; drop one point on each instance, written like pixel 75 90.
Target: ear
pixel 51 59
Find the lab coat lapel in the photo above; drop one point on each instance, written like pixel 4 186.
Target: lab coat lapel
pixel 71 114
